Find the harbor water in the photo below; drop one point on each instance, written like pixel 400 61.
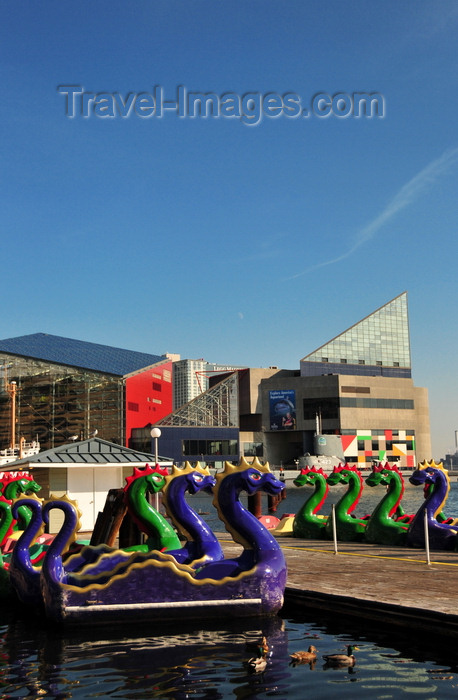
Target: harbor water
pixel 208 661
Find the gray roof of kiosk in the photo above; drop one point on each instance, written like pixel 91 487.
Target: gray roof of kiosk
pixel 86 452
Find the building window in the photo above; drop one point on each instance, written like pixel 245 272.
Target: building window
pixel 131 406
pixel 157 386
pixel 209 447
pixel 327 408
pixel 253 449
pixel 398 404
pixel 355 390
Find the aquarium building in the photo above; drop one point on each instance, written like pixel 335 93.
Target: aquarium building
pixel 358 386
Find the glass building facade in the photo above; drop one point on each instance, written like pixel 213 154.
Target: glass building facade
pixel 377 345
pixel 55 403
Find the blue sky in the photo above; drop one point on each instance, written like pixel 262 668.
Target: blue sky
pixel 243 244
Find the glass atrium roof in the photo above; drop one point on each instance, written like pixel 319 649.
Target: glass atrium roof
pixel 382 339
pixel 78 353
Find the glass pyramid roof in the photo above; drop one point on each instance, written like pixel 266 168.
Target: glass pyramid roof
pixel 381 339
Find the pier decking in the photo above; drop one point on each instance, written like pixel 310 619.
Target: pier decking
pixel 390 585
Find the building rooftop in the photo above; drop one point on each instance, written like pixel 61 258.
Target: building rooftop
pixel 379 340
pixel 78 353
pixel 87 452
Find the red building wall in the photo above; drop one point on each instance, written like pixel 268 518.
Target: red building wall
pixel 149 397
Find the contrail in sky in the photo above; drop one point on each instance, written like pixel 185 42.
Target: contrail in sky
pixel 406 195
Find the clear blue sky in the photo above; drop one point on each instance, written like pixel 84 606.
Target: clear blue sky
pixel 243 244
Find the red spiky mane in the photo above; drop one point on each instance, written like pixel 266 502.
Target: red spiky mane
pixel 8 477
pixel 389 467
pixel 144 471
pixel 312 470
pixel 347 468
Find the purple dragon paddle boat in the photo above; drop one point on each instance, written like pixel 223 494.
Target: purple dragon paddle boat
pixel 441 535
pixel 154 587
pixel 202 545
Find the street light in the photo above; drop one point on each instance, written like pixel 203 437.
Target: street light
pixel 156 434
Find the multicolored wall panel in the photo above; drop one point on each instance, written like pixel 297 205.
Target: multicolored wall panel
pixel 365 446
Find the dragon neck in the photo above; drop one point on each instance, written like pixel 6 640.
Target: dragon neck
pixel 185 518
pixel 153 524
pixel 6 521
pixel 437 497
pixel 391 500
pixel 314 502
pixel 21 552
pixel 52 563
pixel 350 498
pixel 244 527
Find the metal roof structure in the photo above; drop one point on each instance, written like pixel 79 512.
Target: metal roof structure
pixel 218 407
pixel 78 353
pixel 86 453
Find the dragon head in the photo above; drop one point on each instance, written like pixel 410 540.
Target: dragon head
pixel 343 473
pixel 153 478
pixel 383 474
pixel 197 478
pixel 427 473
pixel 15 483
pixel 250 478
pixel 308 476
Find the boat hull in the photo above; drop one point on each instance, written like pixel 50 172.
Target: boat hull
pixel 163 590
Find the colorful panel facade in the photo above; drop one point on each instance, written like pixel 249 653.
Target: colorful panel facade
pixel 365 446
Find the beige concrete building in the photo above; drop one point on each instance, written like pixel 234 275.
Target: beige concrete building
pixel 358 386
pixel 377 418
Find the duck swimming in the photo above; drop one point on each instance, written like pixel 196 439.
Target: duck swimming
pixel 257 664
pixel 341 660
pixel 304 657
pixel 260 646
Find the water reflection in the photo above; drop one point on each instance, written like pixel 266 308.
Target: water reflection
pixel 206 662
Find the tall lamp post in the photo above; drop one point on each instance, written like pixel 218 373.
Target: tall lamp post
pixel 156 434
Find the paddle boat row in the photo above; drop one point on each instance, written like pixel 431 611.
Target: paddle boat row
pixel 180 572
pixel 388 523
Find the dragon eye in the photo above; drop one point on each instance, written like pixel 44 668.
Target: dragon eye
pixel 197 477
pixel 157 478
pixel 255 476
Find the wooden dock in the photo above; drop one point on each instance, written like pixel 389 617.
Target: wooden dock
pixel 388 585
